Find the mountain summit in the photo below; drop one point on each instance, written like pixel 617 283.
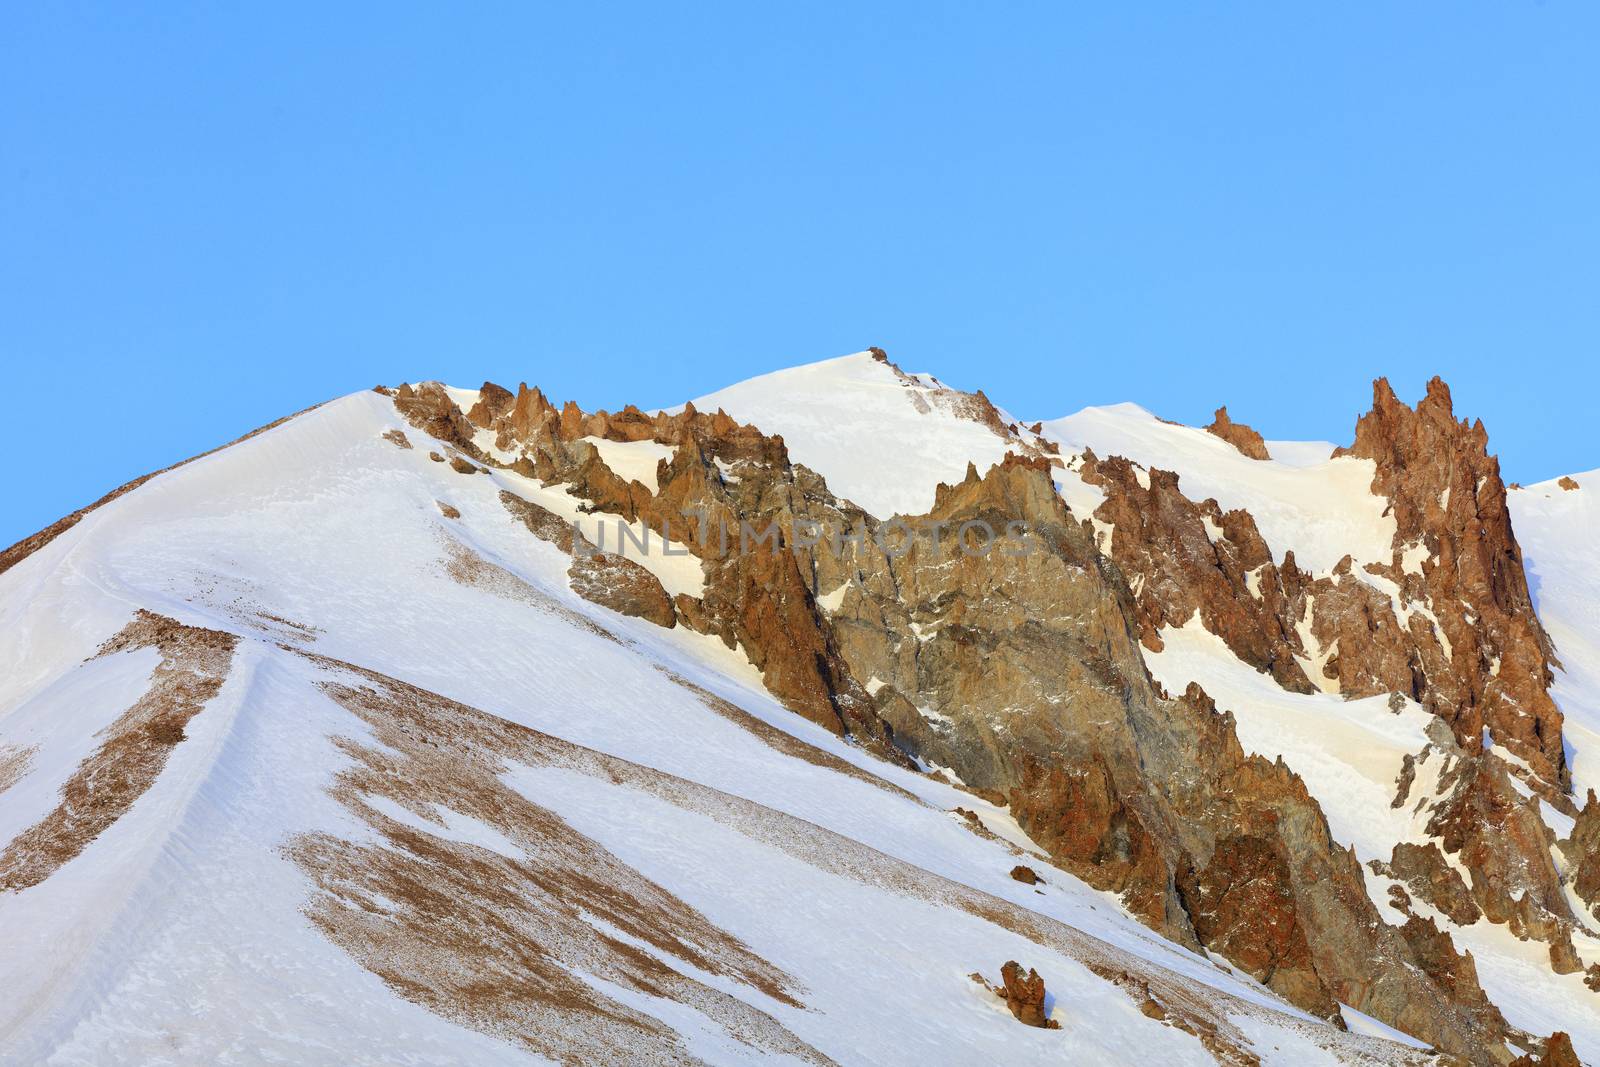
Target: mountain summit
pixel 838 716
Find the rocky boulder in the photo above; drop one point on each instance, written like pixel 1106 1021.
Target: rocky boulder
pixel 1024 994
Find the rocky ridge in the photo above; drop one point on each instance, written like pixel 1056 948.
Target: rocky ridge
pixel 1447 623
pixel 964 664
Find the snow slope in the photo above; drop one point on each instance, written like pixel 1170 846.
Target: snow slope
pixel 886 442
pixel 184 932
pixel 881 441
pixel 1557 530
pixel 1321 508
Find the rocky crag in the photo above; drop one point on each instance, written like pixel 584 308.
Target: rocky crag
pixel 1013 659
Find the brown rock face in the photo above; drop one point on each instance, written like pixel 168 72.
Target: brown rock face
pixel 1458 635
pixel 1445 493
pixel 1026 875
pixel 1024 995
pixel 1424 870
pixel 1015 661
pixel 1564 958
pixel 1454 972
pixel 1568 483
pixel 1499 836
pixel 1242 905
pixel 1582 851
pixel 1558 1052
pixel 623 586
pixel 1032 663
pixel 429 408
pixel 1238 435
pixel 605 579
pixel 741 527
pixel 1184 557
pixel 493 402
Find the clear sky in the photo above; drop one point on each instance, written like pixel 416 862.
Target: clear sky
pixel 210 218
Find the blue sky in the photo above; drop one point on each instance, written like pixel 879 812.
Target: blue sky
pixel 210 218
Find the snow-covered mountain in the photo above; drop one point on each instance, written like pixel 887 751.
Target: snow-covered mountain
pixel 398 733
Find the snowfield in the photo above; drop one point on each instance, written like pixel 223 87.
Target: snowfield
pixel 1322 509
pixel 1558 531
pixel 882 440
pixel 194 928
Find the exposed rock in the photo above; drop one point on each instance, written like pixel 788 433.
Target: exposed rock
pixel 1025 651
pixel 1454 972
pixel 1445 493
pixel 429 408
pixel 1184 558
pixel 1026 875
pixel 461 465
pixel 397 437
pixel 507 944
pixel 692 613
pixel 1024 995
pixel 974 407
pixel 1564 958
pixel 1402 785
pixel 493 401
pixel 15 763
pixel 540 521
pixel 1582 852
pixel 1568 483
pixel 1459 635
pixel 756 595
pixel 1099 782
pixel 607 579
pixel 447 510
pixel 436 457
pixel 1425 871
pixel 1502 840
pixel 1242 904
pixel 1558 1052
pixel 1237 434
pixel 133 749
pixel 623 586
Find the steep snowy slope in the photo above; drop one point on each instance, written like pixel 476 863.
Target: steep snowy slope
pixel 311 754
pixel 1558 528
